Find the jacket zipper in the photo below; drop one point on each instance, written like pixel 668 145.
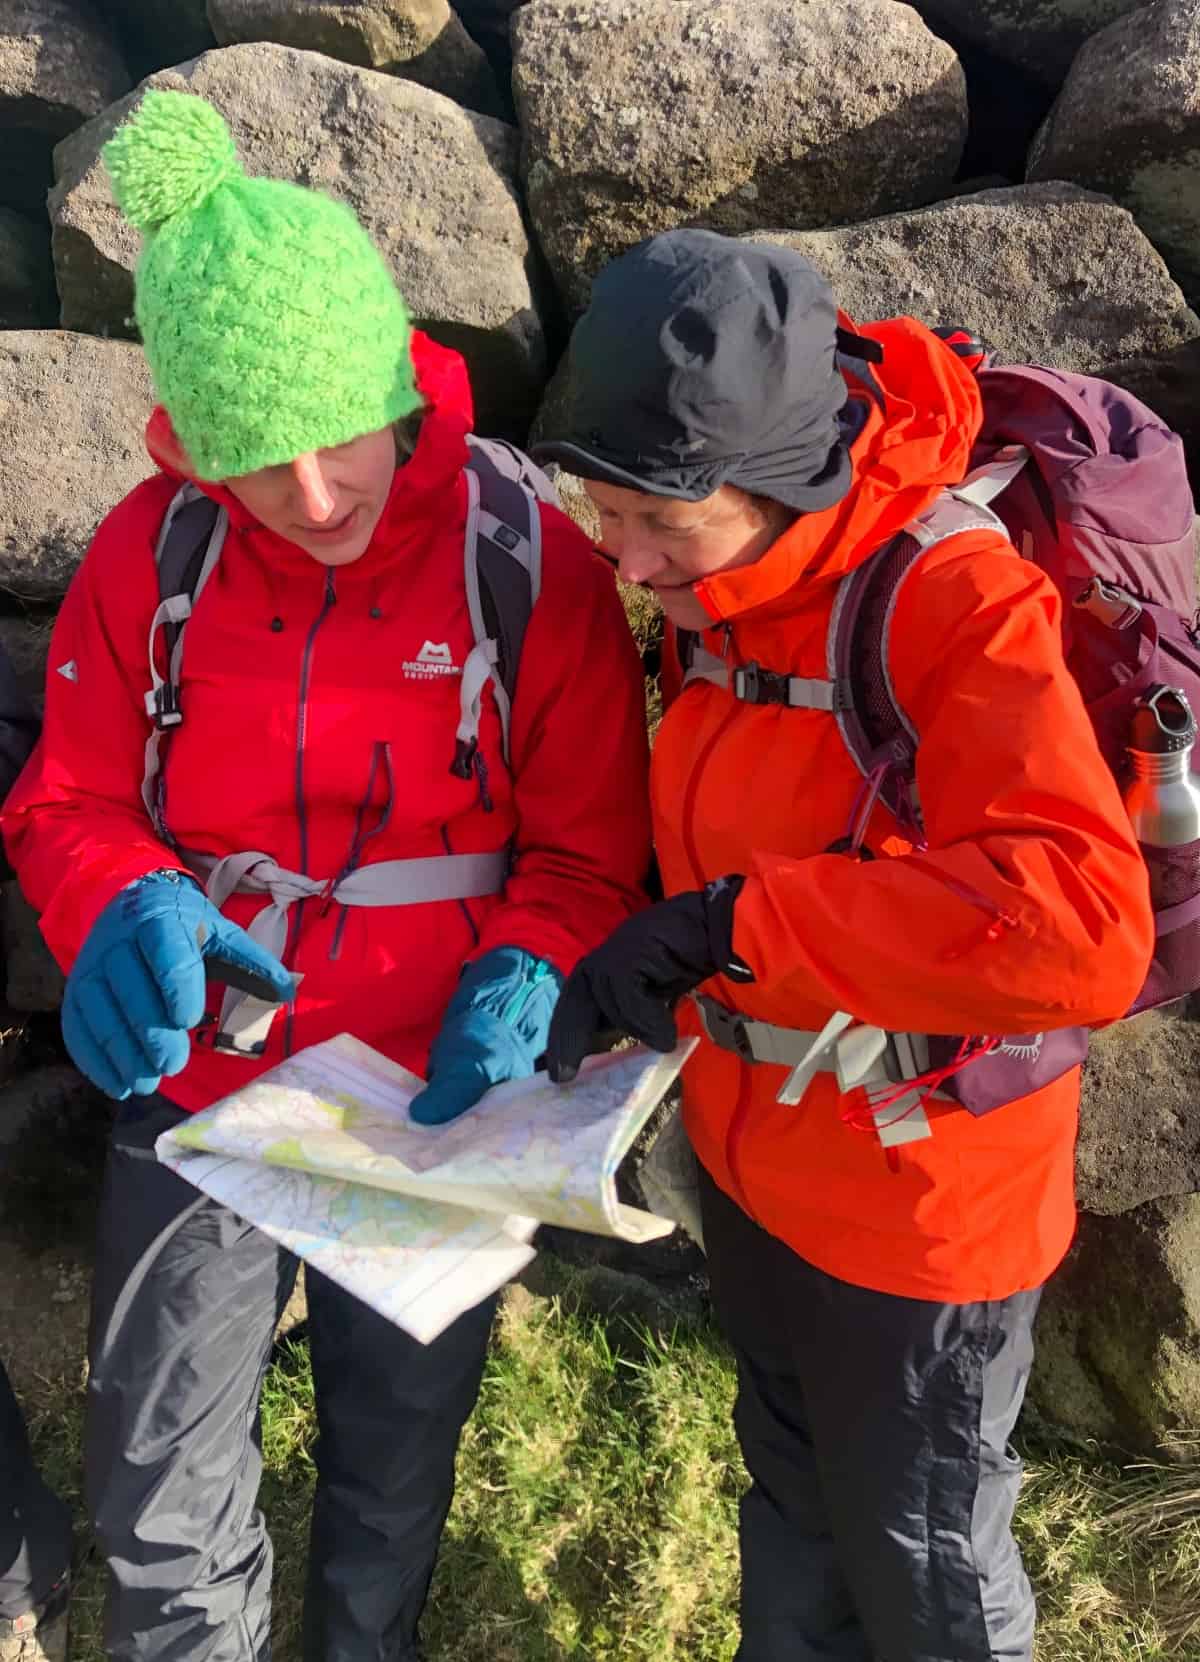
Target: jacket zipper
pixel 1000 919
pixel 327 604
pixel 742 1105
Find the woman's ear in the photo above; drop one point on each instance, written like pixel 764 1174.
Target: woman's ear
pixel 162 442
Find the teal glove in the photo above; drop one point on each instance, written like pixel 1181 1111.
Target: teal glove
pixel 137 987
pixel 495 1028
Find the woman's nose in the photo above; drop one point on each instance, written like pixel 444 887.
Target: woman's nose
pixel 632 552
pixel 638 561
pixel 314 492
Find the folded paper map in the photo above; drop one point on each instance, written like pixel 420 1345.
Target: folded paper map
pixel 421 1222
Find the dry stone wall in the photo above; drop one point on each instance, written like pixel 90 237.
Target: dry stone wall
pixel 1025 167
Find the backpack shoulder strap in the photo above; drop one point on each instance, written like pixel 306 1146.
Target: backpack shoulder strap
pixel 188 548
pixel 502 563
pixel 876 729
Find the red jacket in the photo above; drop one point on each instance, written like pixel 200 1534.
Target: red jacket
pixel 1022 817
pixel 304 730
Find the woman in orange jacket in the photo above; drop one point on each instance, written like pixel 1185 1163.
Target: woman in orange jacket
pixel 880 1299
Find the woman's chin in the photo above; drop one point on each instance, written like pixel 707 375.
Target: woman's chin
pixel 682 608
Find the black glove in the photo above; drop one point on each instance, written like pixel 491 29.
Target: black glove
pixel 635 979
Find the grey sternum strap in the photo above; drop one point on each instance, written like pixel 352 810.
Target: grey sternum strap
pixel 965 508
pixel 860 1057
pixel 245 1020
pixel 752 684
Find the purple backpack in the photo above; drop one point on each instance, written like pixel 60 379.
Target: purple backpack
pixel 1092 487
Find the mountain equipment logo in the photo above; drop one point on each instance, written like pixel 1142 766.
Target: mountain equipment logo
pixel 69 671
pixel 432 662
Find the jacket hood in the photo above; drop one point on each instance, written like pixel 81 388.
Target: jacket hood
pixel 923 411
pixel 442 379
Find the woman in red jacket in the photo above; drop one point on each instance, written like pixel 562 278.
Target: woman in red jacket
pixel 878 1276
pixel 327 696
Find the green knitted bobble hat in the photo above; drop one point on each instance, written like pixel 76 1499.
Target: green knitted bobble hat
pixel 270 321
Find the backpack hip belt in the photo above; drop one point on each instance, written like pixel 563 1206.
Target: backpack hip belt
pixel 246 1020
pixel 860 1058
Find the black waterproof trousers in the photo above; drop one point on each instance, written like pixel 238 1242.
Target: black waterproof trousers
pixel 875 1429
pixel 35 1526
pixel 184 1308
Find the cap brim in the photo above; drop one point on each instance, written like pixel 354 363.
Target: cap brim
pixel 575 459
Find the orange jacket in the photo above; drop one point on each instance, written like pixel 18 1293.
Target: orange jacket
pixel 1019 809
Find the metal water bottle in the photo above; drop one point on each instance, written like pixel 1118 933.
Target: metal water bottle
pixel 1162 798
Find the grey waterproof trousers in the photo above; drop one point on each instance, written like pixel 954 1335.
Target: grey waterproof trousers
pixel 35 1526
pixel 875 1429
pixel 184 1308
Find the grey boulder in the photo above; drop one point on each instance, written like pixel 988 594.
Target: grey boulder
pixel 1045 273
pixel 59 65
pixel 72 415
pixel 434 185
pixel 421 40
pixel 640 115
pixel 1128 122
pixel 1139 1132
pixel 1119 1330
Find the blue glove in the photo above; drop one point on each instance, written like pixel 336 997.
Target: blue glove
pixel 495 1028
pixel 138 984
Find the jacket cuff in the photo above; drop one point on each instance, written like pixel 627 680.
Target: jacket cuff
pixel 720 899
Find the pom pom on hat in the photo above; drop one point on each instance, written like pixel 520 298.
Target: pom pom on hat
pixel 271 323
pixel 169 159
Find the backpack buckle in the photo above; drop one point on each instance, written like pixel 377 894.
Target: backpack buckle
pixel 162 706
pixel 1109 603
pixel 725 1027
pixel 752 684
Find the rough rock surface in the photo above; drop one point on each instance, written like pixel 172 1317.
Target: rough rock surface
pixel 1041 36
pixel 72 414
pixel 27 297
pixel 1139 1134
pixel 421 40
pixel 59 65
pixel 1128 122
pixel 1119 1330
pixel 639 115
pixel 435 186
pixel 1046 272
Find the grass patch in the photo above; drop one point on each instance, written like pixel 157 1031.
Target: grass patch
pixel 596 1511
